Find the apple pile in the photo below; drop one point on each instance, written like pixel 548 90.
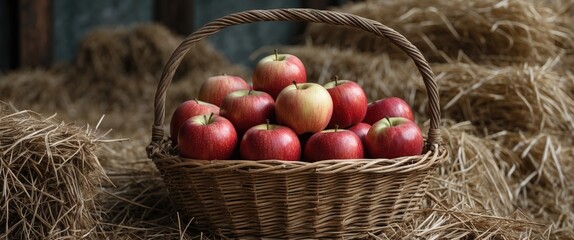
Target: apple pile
pixel 283 117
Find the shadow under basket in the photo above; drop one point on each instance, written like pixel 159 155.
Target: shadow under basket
pixel 348 198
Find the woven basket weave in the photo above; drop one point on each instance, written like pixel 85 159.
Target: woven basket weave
pixel 283 199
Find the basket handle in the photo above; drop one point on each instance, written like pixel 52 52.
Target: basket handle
pixel 297 14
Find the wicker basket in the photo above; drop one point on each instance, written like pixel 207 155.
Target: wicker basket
pixel 282 199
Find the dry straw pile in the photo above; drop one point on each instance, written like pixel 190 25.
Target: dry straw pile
pixel 515 98
pixel 50 177
pixel 486 30
pixel 142 51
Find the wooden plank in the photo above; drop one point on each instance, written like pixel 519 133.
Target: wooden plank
pixel 177 15
pixel 35 33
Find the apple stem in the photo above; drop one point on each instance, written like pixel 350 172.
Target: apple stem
pixel 276 55
pixel 297 87
pixel 196 101
pixel 205 119
pixel 336 80
pixel 249 93
pixel 388 120
pixel 267 120
pixel 336 127
pixel 210 118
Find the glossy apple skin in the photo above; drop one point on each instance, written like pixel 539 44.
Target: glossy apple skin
pixel 393 138
pixel 276 142
pixel 349 103
pixel 214 89
pixel 247 108
pixel 331 144
pixel 207 140
pixel 271 75
pixel 305 108
pixel 361 129
pixel 187 110
pixel 388 107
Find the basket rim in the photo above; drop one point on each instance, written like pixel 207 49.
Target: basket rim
pixel 431 158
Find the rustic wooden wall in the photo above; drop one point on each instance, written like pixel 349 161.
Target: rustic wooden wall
pixel 42 32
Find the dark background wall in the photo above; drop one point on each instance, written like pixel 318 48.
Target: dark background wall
pixel 72 19
pixel 7 35
pixel 238 42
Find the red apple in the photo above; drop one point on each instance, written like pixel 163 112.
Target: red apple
pixel 304 107
pixel 393 138
pixel 333 144
pixel 247 108
pixel 349 103
pixel 269 141
pixel 187 110
pixel 361 130
pixel 277 71
pixel 214 89
pixel 388 107
pixel 207 137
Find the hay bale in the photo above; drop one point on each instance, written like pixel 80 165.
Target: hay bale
pixel 545 177
pixel 478 175
pixel 563 6
pixel 32 87
pixel 487 30
pixel 547 158
pixel 103 52
pixel 50 177
pixel 513 98
pixel 441 222
pixel 142 50
pixel 567 71
pixel 121 99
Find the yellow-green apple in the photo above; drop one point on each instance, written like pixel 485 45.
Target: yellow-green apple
pixel 214 89
pixel 333 144
pixel 247 108
pixel 361 130
pixel 394 137
pixel 304 107
pixel 388 107
pixel 349 103
pixel 277 71
pixel 207 137
pixel 187 110
pixel 270 141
